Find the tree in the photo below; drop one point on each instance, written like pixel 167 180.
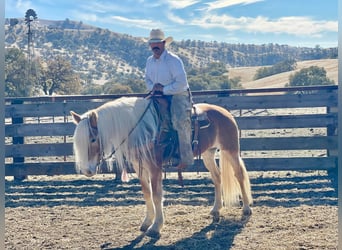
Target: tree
pixel 313 75
pixel 93 89
pixel 114 87
pixel 213 76
pixel 197 83
pixel 136 85
pixel 58 77
pixel 119 89
pixel 284 66
pixel 16 83
pixel 13 22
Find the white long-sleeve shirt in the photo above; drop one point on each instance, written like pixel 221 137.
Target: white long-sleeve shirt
pixel 169 71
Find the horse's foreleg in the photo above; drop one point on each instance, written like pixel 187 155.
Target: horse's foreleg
pixel 146 189
pixel 210 163
pixel 157 196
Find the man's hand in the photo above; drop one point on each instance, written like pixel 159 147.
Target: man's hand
pixel 157 89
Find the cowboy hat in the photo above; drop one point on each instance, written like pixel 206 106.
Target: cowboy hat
pixel 157 36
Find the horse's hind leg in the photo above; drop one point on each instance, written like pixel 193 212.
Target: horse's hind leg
pixel 235 180
pixel 244 182
pixel 210 163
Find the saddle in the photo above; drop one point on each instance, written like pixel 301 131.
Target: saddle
pixel 166 145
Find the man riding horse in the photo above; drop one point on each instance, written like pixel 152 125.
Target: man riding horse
pixel 165 74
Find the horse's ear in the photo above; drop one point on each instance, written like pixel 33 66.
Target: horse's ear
pixel 93 119
pixel 76 117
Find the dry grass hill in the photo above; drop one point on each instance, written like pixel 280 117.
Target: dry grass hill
pixel 279 80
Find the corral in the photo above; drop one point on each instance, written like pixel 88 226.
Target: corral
pixel 289 144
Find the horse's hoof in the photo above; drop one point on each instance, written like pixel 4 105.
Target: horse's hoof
pixel 153 234
pixel 247 211
pixel 216 216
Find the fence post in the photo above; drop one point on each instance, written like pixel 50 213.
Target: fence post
pixel 18 140
pixel 332 131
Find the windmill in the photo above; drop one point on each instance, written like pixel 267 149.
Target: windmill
pixel 30 16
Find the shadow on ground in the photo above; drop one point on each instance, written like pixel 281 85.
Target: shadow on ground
pixel 210 237
pixel 287 190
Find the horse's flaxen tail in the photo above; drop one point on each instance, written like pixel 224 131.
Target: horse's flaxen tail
pixel 234 179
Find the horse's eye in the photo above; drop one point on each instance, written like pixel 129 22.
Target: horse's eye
pixel 92 140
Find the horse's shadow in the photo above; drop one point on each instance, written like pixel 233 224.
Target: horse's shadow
pixel 208 237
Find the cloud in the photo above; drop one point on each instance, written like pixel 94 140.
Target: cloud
pixel 85 17
pixel 18 6
pixel 133 22
pixel 103 7
pixel 22 4
pixel 181 4
pixel 116 20
pixel 292 25
pixel 299 26
pixel 219 4
pixel 145 24
pixel 175 19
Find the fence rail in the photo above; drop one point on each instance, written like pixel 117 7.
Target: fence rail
pixel 281 129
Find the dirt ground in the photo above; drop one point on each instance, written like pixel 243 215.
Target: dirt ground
pixel 292 210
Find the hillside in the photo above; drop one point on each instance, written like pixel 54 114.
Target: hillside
pixel 100 55
pixel 279 80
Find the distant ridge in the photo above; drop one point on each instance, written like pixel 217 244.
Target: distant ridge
pixel 101 54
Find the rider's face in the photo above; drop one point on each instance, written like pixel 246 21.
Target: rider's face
pixel 157 48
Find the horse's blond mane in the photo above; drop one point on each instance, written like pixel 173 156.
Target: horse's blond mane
pixel 81 142
pixel 127 126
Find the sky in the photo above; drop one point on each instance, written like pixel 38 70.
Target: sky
pixel 304 23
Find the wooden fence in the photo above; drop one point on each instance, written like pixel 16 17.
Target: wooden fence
pixel 281 129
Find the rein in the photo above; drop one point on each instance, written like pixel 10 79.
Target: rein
pixel 103 158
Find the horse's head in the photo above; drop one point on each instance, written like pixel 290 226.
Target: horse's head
pixel 87 148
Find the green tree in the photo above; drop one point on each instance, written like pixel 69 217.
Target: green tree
pixel 213 76
pixel 313 75
pixel 231 83
pixel 284 66
pixel 197 83
pixel 13 22
pixel 136 85
pixel 116 88
pixel 92 89
pixel 16 82
pixel 58 77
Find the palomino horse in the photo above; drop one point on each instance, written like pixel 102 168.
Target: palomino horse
pixel 126 129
